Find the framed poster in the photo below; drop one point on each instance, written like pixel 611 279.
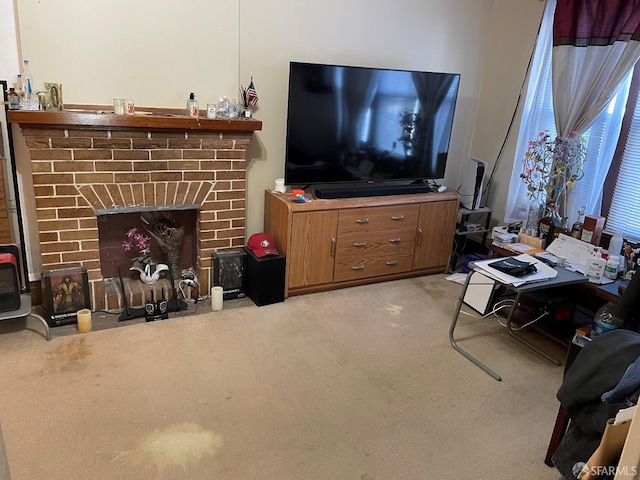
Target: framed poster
pixel 66 291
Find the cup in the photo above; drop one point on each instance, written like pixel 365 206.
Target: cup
pixel 279 186
pixel 129 107
pixel 216 298
pixel 118 106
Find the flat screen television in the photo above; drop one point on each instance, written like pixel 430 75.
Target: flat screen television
pixel 358 125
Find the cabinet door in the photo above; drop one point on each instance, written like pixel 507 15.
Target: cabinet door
pixel 434 240
pixel 312 250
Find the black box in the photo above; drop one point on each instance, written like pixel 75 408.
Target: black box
pixel 228 272
pixel 66 291
pixel 265 278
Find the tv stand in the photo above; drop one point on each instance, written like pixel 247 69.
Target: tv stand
pixel 369 190
pixel 346 242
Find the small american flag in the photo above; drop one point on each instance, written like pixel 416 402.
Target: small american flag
pixel 252 95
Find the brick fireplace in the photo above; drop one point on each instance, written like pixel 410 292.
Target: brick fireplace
pixel 85 163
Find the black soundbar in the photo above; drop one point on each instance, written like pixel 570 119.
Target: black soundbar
pixel 350 191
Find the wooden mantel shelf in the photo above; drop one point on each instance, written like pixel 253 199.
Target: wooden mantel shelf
pixel 96 117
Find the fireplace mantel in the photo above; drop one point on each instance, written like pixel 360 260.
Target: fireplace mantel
pixel 101 118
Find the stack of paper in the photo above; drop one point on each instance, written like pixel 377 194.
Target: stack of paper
pixel 544 271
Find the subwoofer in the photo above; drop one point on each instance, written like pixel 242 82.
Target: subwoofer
pixel 265 278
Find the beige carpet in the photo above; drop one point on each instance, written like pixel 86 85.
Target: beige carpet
pixel 359 383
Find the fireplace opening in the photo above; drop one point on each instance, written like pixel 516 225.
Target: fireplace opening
pixel 171 239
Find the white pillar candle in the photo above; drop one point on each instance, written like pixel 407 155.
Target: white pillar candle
pixel 216 298
pixel 84 320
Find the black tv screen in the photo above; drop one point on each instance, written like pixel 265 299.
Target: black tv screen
pixel 357 124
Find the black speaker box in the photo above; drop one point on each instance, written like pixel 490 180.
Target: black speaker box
pixel 265 278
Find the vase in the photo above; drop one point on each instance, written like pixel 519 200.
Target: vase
pixel 535 212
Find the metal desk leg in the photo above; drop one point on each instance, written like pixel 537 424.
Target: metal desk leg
pixel 522 340
pixel 454 321
pixel 47 330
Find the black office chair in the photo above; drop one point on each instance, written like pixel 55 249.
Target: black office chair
pixel 15 297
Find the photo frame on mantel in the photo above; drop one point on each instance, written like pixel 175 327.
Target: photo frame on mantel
pixel 53 96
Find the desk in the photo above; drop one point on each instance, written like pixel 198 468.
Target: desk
pixel 563 278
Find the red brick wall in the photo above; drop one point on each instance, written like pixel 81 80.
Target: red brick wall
pixel 79 171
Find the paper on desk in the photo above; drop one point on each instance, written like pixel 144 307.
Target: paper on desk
pixel 544 271
pixel 575 251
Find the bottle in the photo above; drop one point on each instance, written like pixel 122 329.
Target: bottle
pixel 27 79
pixel 20 86
pixel 193 109
pixel 223 107
pixel 615 244
pixel 233 109
pixel 576 230
pixel 594 270
pixel 612 267
pixel 14 99
pixel 605 320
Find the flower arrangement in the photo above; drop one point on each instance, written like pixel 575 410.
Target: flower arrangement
pixel 137 240
pixel 552 165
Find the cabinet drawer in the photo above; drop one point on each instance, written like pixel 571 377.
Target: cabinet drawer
pixel 376 244
pixel 378 219
pixel 353 268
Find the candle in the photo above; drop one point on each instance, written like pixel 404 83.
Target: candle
pixel 216 298
pixel 84 320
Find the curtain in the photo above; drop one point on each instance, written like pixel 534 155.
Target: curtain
pixel 596 43
pixel 538 91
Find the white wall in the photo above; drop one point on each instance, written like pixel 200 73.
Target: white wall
pixel 158 51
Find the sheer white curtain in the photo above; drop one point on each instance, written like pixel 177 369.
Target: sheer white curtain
pixel 538 115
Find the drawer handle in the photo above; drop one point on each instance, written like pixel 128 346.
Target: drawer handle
pixel 397 217
pixel 359 244
pixel 362 220
pixel 394 240
pixel 392 262
pixel 419 237
pixel 333 247
pixel 357 267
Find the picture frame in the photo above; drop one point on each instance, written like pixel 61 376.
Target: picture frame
pixel 229 267
pixel 53 96
pixel 66 291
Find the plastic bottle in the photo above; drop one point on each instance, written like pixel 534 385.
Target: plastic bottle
pixel 233 108
pixel 193 109
pixel 605 320
pixel 612 267
pixel 594 269
pixel 27 79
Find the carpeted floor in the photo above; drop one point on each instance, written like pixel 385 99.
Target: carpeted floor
pixel 359 383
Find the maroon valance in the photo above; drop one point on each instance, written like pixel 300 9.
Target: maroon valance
pixel 584 23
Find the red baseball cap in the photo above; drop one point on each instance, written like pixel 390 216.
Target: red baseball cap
pixel 262 244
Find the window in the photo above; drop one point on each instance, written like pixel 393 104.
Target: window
pixel 601 137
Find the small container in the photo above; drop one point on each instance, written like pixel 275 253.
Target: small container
pixel 118 106
pixel 234 109
pixel 193 108
pixel 211 110
pixel 14 99
pixel 129 107
pixel 595 269
pixel 279 186
pixel 611 269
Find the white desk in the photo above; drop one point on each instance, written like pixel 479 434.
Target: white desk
pixel 563 278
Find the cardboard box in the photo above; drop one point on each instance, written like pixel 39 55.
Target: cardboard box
pixel 592 229
pixel 229 267
pixel 66 291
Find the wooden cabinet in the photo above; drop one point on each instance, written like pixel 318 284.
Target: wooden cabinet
pixel 338 243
